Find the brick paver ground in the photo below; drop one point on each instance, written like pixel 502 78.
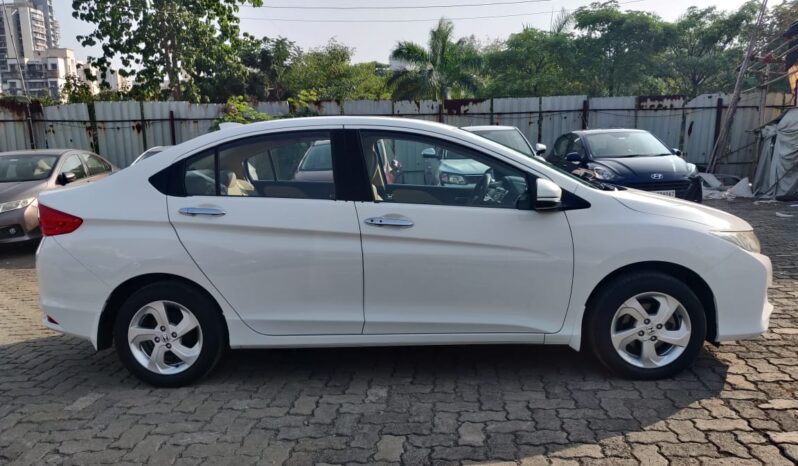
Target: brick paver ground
pixel 61 403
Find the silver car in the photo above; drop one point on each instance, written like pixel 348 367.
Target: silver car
pixel 23 175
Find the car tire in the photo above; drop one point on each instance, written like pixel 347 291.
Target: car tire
pixel 645 325
pixel 169 334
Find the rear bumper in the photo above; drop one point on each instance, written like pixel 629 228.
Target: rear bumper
pixel 20 225
pixel 71 297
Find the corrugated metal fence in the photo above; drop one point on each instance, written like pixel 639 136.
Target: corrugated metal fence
pixel 120 131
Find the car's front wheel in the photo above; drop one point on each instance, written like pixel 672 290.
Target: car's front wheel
pixel 646 325
pixel 169 334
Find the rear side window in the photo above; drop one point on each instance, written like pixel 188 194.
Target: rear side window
pixel 292 165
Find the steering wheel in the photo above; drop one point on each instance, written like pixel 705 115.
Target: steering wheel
pixel 482 187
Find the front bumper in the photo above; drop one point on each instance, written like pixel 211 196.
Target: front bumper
pixel 20 225
pixel 689 189
pixel 740 285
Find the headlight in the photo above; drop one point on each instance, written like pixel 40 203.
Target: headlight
pixel 692 170
pixel 604 173
pixel 14 205
pixel 744 239
pixel 448 178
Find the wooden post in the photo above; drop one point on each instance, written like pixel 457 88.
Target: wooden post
pixel 172 131
pixel 585 113
pixel 718 118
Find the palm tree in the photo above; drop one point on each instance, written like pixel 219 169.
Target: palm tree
pixel 435 73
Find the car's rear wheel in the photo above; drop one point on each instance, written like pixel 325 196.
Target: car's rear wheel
pixel 169 334
pixel 646 325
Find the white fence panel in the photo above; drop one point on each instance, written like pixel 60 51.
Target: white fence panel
pixel 67 127
pixel 13 132
pixel 560 115
pixel 119 131
pixel 523 113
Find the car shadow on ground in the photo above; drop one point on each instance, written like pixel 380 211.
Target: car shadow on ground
pixel 18 255
pixel 447 403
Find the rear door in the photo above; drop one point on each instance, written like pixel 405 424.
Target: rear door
pixel 279 246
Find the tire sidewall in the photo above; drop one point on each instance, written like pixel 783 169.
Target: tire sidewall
pixel 206 313
pixel 604 307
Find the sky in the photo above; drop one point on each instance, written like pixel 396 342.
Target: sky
pixel 375 32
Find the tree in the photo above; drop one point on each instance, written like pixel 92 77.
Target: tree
pixel 161 40
pixel 75 91
pixel 328 73
pixel 619 52
pixel 533 63
pixel 238 110
pixel 707 49
pixel 444 68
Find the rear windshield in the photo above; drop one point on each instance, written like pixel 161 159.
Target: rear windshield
pixel 625 144
pixel 512 139
pixel 17 168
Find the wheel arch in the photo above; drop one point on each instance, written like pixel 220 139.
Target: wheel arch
pixel 127 288
pixel 690 278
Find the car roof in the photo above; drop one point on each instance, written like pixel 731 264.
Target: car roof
pixel 489 128
pixel 40 152
pixel 588 132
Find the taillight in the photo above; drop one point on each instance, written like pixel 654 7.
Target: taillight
pixel 54 222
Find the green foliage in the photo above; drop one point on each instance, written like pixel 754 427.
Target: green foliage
pixel 300 105
pixel 238 110
pixel 75 91
pixel 163 39
pixel 445 67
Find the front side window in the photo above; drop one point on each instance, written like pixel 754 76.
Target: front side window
pixel 561 146
pixel 297 165
pixel 74 165
pixel 452 175
pixel 96 165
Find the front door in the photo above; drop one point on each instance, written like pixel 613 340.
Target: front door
pixel 456 255
pixel 260 219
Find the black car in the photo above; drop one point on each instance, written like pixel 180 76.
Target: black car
pixel 627 157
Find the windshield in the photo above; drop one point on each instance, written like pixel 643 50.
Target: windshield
pixel 508 138
pixel 318 158
pixel 17 168
pixel 625 144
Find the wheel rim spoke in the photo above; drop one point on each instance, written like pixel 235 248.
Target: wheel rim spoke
pixel 138 335
pixel 622 338
pixel 649 356
pixel 158 311
pixel 667 306
pixel 633 308
pixel 187 324
pixel 680 337
pixel 158 359
pixel 185 354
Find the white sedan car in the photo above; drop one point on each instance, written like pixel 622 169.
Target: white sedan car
pixel 214 244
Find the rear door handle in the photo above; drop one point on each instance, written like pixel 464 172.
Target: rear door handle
pixel 204 211
pixel 389 222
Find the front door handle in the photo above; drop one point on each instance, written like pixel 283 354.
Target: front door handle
pixel 389 222
pixel 204 211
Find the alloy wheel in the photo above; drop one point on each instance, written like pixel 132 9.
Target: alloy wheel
pixel 651 330
pixel 165 337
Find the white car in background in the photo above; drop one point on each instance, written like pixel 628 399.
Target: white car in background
pixel 189 253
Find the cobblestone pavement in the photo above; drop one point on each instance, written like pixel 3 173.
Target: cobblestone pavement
pixel 61 403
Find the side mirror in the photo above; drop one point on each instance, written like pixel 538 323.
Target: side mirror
pixel 66 178
pixel 548 195
pixel 430 153
pixel 573 157
pixel 540 148
pixel 676 152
